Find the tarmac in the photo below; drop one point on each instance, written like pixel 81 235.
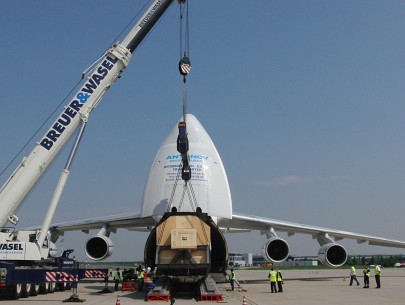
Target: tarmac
pixel 304 287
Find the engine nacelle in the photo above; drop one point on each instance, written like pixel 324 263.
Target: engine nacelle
pixel 99 247
pixel 332 255
pixel 275 250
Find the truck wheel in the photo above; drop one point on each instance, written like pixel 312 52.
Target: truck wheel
pixel 42 288
pixel 25 290
pixel 61 286
pixel 34 289
pixel 68 286
pixel 51 287
pixel 16 291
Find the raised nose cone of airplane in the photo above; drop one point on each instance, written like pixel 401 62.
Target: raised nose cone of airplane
pixel 208 187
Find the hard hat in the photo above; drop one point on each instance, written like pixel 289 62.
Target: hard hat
pixel 148 268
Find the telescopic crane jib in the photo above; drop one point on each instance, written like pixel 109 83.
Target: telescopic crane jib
pixel 76 113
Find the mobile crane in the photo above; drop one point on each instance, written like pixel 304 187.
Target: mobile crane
pixel 26 256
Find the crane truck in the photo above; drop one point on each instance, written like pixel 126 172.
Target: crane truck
pixel 27 257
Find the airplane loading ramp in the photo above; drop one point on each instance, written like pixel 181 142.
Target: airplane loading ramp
pixel 304 287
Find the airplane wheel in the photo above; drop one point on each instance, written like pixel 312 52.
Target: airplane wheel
pixel 34 289
pixel 25 290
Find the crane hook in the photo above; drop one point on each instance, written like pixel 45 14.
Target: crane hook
pixel 184 66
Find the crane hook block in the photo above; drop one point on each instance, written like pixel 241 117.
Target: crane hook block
pixel 186 173
pixel 182 139
pixel 184 66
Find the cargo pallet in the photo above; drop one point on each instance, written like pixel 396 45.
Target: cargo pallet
pixel 157 297
pixel 209 291
pixel 161 291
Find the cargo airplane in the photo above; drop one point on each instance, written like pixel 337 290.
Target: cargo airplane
pixel 187 203
pixel 186 216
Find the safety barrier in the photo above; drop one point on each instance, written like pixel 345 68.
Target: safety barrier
pixel 129 286
pixel 155 297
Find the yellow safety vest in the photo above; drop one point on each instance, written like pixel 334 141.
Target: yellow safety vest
pixel 367 272
pixel 117 275
pixel 273 276
pixel 279 278
pixel 377 270
pixel 233 276
pixel 353 271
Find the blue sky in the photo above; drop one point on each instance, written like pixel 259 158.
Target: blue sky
pixel 303 99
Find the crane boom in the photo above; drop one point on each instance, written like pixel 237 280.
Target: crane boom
pixel 99 80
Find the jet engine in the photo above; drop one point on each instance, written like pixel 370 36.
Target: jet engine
pixel 332 255
pixel 99 247
pixel 275 250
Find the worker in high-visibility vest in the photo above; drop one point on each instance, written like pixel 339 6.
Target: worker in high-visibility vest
pixel 232 278
pixel 148 282
pixel 117 278
pixel 140 274
pixel 353 276
pixel 366 273
pixel 279 281
pixel 377 274
pixel 273 280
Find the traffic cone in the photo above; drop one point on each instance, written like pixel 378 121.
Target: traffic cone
pixel 244 301
pixel 118 300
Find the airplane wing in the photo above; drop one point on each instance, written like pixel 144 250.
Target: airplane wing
pixel 239 223
pixel 249 222
pixel 130 221
pixel 274 249
pixel 101 246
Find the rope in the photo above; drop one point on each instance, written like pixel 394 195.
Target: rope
pixel 184 99
pixel 169 206
pixel 186 38
pixel 192 197
pixel 184 69
pixel 192 203
pixel 184 63
pixel 185 188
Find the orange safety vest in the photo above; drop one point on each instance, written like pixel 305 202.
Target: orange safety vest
pixel 147 278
